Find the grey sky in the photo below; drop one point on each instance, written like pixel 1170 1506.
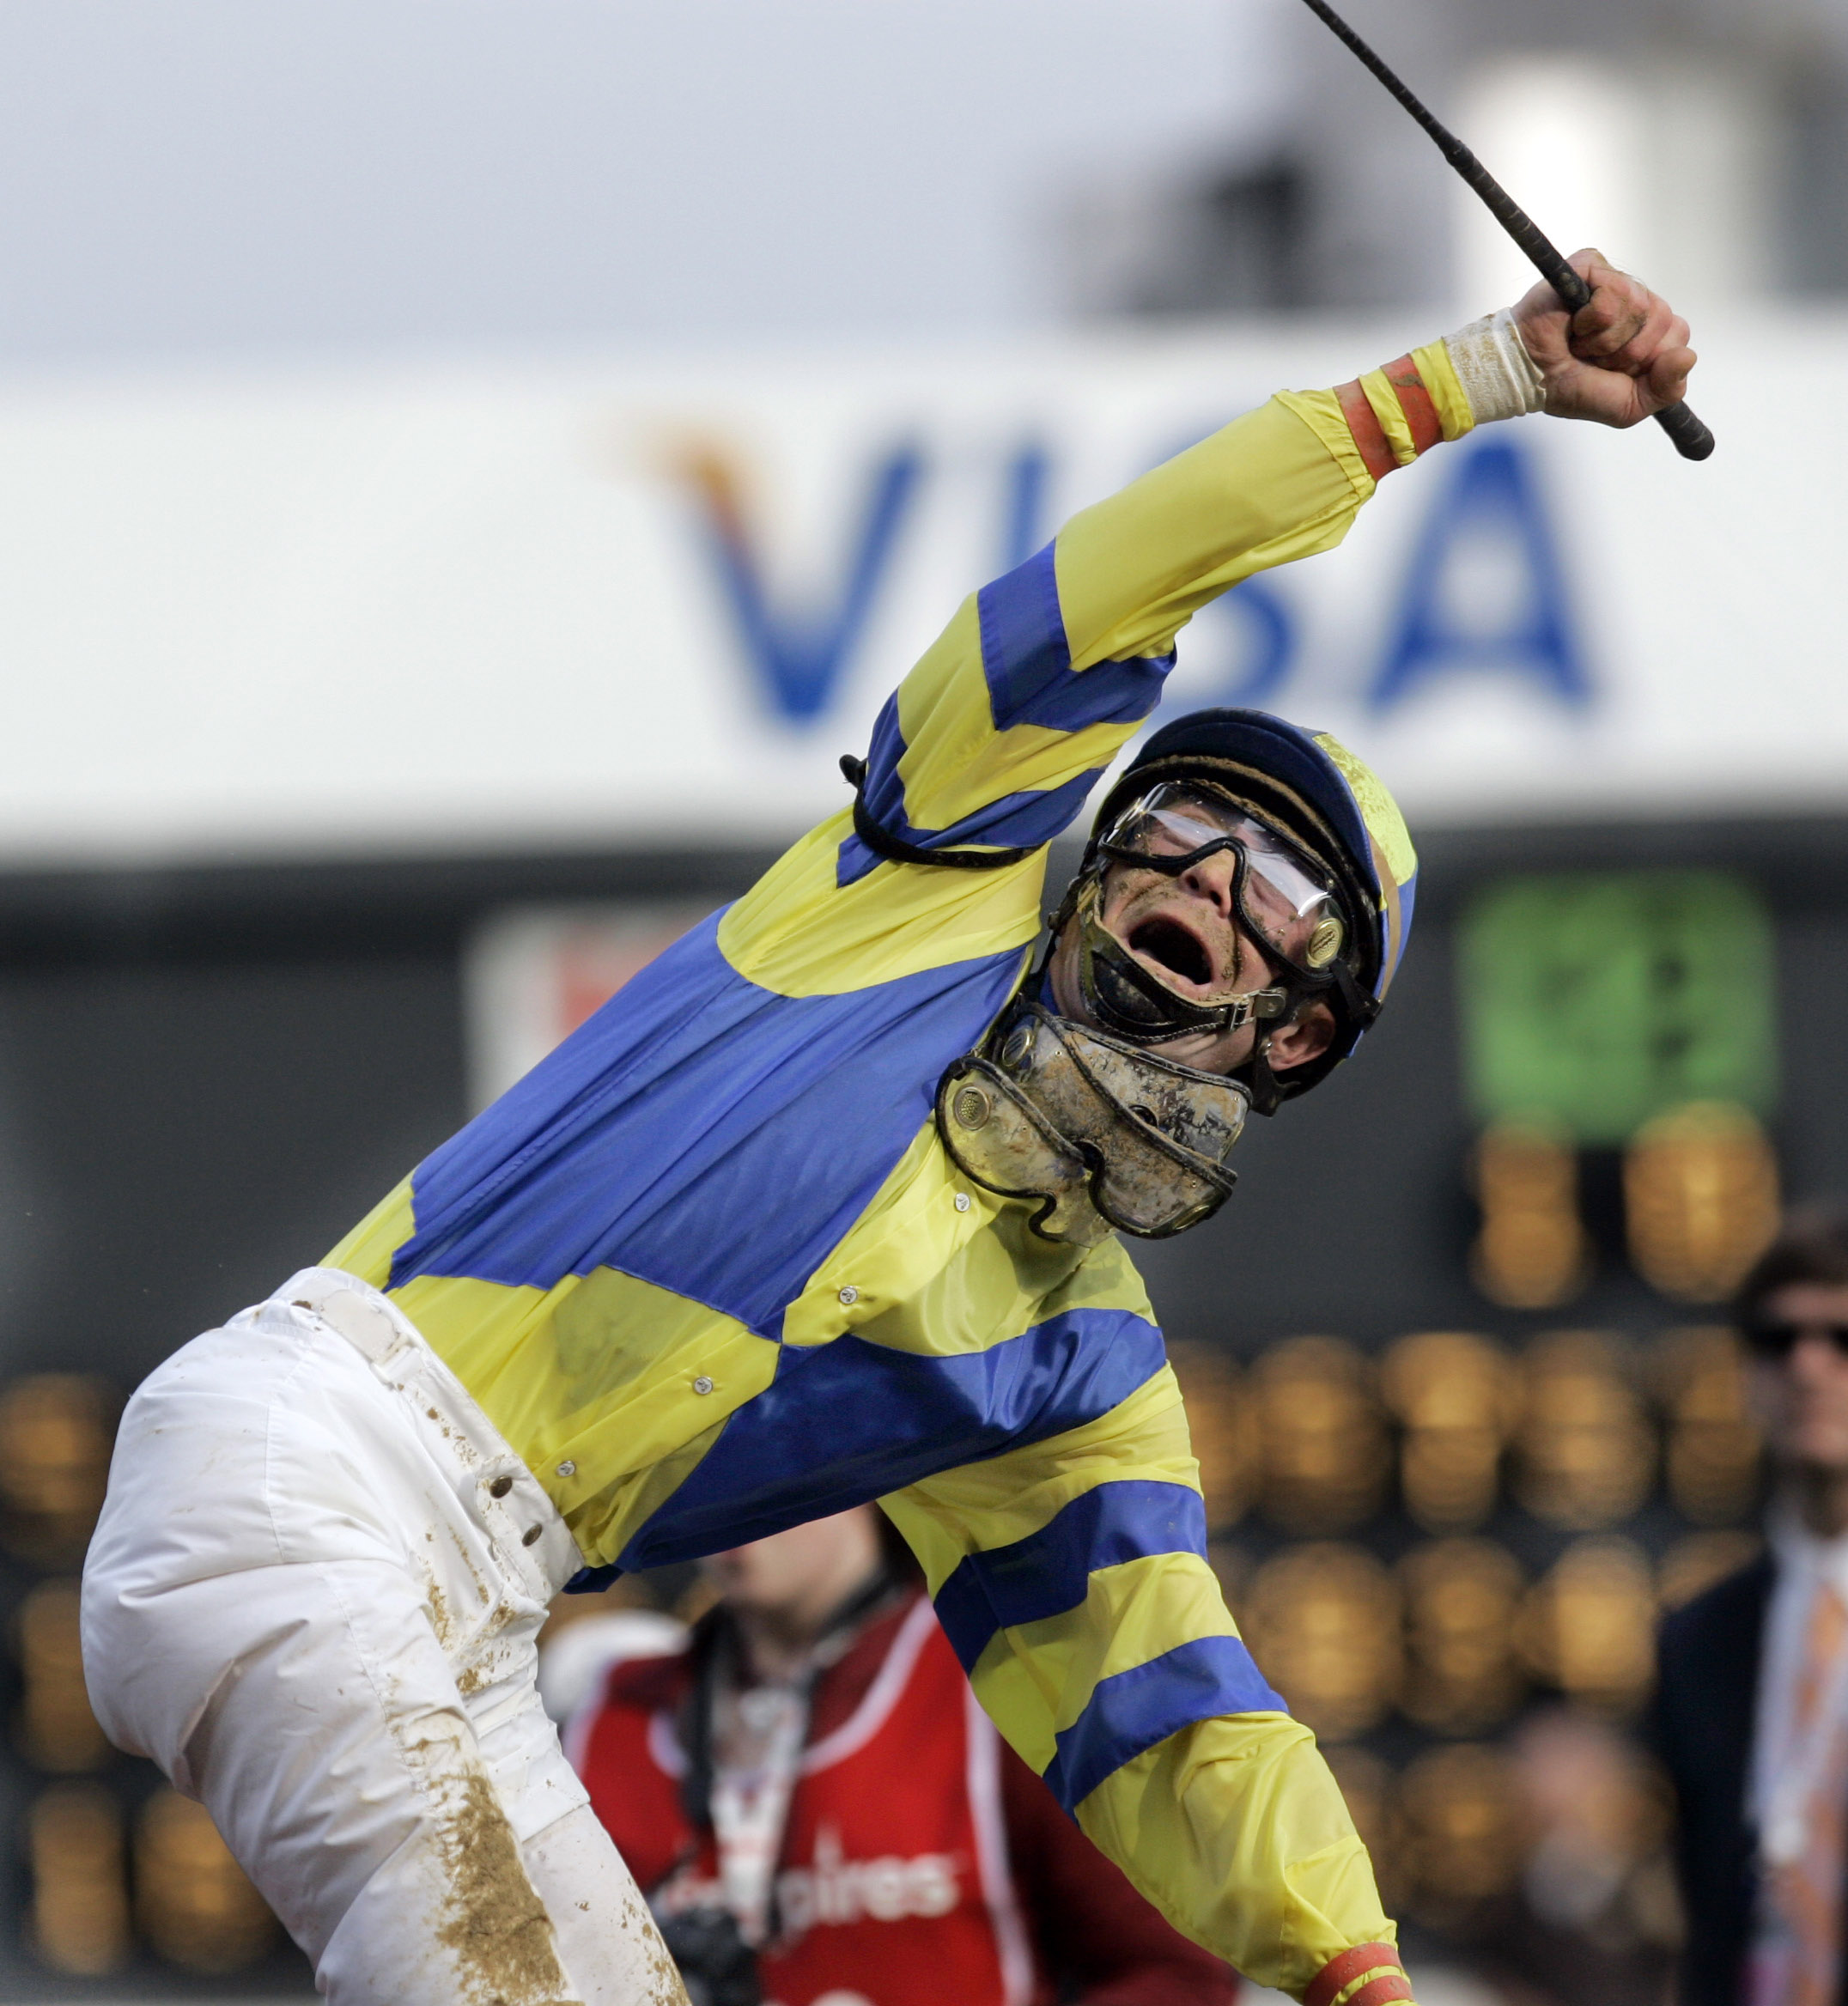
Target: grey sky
pixel 209 176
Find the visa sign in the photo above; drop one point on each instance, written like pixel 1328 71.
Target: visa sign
pixel 1487 509
pixel 1544 618
pixel 621 601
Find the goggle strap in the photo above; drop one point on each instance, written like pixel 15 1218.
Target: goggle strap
pixel 895 850
pixel 1183 1016
pixel 1362 1008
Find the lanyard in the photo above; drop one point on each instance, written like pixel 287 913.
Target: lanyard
pixel 747 1804
pixel 750 1799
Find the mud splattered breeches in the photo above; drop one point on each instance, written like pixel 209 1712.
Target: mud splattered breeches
pixel 313 1599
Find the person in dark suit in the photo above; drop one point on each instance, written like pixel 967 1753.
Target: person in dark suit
pixel 1752 1704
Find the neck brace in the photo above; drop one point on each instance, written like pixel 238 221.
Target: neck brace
pixel 1106 1135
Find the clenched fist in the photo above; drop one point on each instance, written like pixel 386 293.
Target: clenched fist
pixel 1620 359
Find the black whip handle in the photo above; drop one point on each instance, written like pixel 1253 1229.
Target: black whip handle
pixel 1692 440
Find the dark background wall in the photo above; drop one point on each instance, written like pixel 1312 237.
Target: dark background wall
pixel 206 1077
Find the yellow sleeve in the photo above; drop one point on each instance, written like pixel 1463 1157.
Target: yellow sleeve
pixel 1071 1576
pixel 994 739
pixel 996 736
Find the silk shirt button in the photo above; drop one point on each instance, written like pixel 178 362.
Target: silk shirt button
pixel 850 1294
pixel 567 1469
pixel 962 1201
pixel 702 1384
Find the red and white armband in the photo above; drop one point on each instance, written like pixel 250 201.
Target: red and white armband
pixel 1398 412
pixel 1369 1974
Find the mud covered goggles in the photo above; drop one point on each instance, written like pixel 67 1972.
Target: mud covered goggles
pixel 1287 899
pixel 1105 1134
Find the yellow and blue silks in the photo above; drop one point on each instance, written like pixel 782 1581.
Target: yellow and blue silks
pixel 710 1271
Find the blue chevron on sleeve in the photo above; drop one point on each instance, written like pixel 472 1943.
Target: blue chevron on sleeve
pixel 1137 1708
pixel 1049 1571
pixel 1028 663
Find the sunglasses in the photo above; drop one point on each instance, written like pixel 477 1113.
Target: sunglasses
pixel 1778 1340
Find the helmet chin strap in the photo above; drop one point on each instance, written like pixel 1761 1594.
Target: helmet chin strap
pixel 1130 1002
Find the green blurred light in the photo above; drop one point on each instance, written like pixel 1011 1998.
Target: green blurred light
pixel 1595 1002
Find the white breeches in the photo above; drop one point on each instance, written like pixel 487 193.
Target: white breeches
pixel 312 1600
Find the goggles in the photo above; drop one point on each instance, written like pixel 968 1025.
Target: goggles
pixel 1287 900
pixel 1105 1134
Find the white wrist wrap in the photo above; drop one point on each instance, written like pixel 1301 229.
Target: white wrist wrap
pixel 1499 376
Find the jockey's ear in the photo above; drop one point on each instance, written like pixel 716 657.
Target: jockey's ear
pixel 1307 1036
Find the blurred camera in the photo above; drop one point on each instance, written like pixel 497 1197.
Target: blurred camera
pixel 717 1966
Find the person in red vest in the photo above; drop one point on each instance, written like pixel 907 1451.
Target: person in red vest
pixel 822 1815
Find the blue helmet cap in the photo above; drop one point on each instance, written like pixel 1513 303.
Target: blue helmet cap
pixel 1330 802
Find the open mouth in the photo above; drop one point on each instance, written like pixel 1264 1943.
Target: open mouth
pixel 1173 947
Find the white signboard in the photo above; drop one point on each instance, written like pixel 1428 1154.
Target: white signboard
pixel 652 606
